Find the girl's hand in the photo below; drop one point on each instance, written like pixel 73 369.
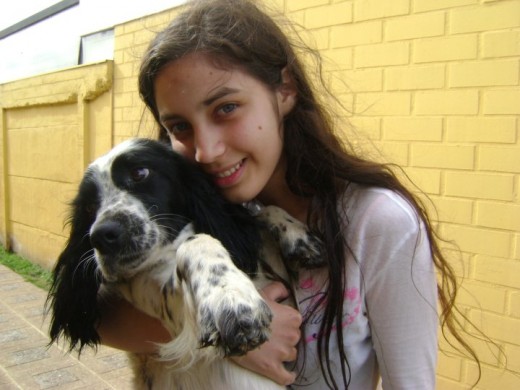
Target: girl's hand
pixel 269 358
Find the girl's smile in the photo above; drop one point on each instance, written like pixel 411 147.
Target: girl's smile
pixel 230 176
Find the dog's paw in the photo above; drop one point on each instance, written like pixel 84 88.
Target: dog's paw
pixel 299 247
pixel 235 322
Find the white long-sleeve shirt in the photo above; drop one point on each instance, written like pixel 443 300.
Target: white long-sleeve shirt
pixel 390 319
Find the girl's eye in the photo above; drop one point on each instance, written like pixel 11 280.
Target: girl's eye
pixel 227 108
pixel 139 174
pixel 178 127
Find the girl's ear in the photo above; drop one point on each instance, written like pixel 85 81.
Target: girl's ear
pixel 286 93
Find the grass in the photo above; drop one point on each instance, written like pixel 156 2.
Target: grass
pixel 31 272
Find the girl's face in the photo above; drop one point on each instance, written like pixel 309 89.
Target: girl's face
pixel 228 122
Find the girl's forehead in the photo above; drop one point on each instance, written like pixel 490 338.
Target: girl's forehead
pixel 197 69
pixel 202 72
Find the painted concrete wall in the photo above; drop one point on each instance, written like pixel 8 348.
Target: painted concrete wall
pixel 434 84
pixel 51 127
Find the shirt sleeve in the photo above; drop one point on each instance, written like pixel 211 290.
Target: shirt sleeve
pixel 400 290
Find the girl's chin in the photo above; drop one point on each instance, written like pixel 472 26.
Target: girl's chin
pixel 239 194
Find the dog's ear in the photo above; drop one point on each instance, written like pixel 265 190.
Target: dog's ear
pixel 72 298
pixel 231 224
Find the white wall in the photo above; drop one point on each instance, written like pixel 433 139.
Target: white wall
pixel 54 42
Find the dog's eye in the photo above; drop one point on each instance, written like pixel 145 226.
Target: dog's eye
pixel 139 174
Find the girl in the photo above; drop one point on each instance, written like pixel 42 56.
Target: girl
pixel 228 91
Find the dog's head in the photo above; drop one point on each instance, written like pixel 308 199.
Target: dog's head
pixel 130 202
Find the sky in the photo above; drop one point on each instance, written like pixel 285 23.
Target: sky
pixel 95 14
pixel 54 42
pixel 12 12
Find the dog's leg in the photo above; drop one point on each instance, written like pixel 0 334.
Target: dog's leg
pixel 230 312
pixel 299 247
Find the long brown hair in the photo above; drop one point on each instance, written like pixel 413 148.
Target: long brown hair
pixel 320 165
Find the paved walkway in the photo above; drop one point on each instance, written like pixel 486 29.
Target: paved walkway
pixel 26 360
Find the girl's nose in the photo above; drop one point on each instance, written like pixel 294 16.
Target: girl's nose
pixel 208 144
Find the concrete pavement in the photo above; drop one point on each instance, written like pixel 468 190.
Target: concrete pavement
pixel 26 360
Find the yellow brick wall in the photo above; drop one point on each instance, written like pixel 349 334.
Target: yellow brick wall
pixel 435 85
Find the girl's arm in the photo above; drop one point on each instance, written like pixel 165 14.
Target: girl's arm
pixel 125 327
pixel 401 294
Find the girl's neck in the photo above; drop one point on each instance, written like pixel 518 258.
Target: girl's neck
pixel 277 193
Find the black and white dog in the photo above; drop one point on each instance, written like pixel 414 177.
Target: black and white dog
pixel 150 226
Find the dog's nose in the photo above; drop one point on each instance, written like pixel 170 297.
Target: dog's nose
pixel 107 237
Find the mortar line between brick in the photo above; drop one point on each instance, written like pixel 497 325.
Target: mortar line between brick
pixel 13 381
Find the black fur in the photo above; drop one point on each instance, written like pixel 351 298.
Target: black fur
pixel 172 186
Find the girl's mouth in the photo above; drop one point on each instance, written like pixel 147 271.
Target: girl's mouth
pixel 230 176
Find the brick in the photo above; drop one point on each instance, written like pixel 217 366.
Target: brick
pixel 368 9
pixel 123 100
pixel 514 305
pixel 320 38
pixel 480 241
pixel 464 102
pixel 346 102
pixel 276 5
pixel 500 158
pixel 383 54
pixel 479 185
pixel 388 103
pixel 451 48
pixel 450 367
pixel 157 22
pixel 412 129
pixel 296 5
pixel 130 114
pixel 485 18
pixel 501 102
pixel 328 15
pixel 394 152
pixel 429 5
pixel 130 27
pixel 338 58
pixel 356 34
pixel 497 270
pixel 498 215
pixel 513 357
pixel 124 42
pixel 448 384
pixel 415 77
pixel 492 377
pixel 454 210
pixel 484 73
pixel 366 80
pixel 415 26
pixel 442 156
pixel 500 328
pixel 366 126
pixel 426 180
pixel 119 56
pixel 144 36
pixel 481 129
pixel 517 247
pixel 125 70
pixel 500 44
pixel 488 352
